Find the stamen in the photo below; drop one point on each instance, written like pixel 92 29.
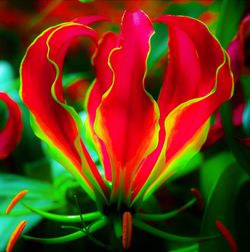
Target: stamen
pixel 15 200
pixel 225 232
pixel 198 196
pixel 171 237
pixel 15 235
pixel 165 216
pixel 126 230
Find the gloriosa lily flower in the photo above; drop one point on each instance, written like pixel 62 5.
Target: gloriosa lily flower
pixel 141 142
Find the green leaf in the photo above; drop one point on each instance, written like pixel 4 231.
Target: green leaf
pixel 11 184
pixel 225 185
pixel 192 9
pixel 192 248
pixel 6 74
pixel 229 19
pixel 226 29
pixel 42 168
pixel 39 191
pixel 191 166
pixel 158 44
pixel 244 81
pixel 212 170
pixel 29 149
pixel 8 83
pixel 68 79
pixel 8 225
pixel 40 195
pixel 3 114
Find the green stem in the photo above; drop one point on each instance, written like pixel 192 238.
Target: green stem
pixel 164 216
pixel 66 238
pixel 222 17
pixel 162 234
pixel 64 218
pixel 27 212
pixel 229 19
pixel 238 151
pixel 92 238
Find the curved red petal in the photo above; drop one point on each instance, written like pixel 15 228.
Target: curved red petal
pixel 12 131
pixel 127 119
pixel 104 77
pixel 193 116
pixel 186 120
pixel 197 82
pixel 195 55
pixel 41 91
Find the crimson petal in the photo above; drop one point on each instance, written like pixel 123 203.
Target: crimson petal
pixel 54 121
pixel 198 80
pixel 127 117
pixel 104 77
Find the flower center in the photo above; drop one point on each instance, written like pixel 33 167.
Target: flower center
pixel 112 209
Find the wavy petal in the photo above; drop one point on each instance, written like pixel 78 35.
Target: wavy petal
pixel 197 82
pixel 187 127
pixel 104 78
pixel 12 131
pixel 55 122
pixel 127 117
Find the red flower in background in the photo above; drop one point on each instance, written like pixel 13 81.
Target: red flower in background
pixel 11 133
pixel 239 53
pixel 239 49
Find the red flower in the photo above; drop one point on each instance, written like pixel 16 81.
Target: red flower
pixel 239 53
pixel 239 49
pixel 140 141
pixel 11 133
